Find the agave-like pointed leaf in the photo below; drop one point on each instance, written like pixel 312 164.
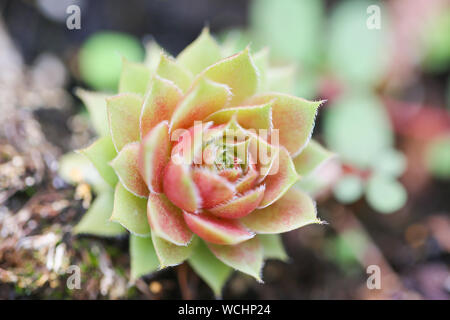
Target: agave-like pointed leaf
pixel 180 188
pixel 312 156
pixel 143 258
pixel 282 79
pixel 135 77
pixel 126 166
pixel 95 103
pixel 217 230
pixel 169 69
pixel 238 72
pixel 250 117
pixel 100 153
pixel 152 55
pixel 170 254
pixel 294 210
pixel 282 176
pixel 154 155
pixel 261 59
pixel 159 104
pixel 96 220
pixel 167 220
pixel 241 205
pixel 205 98
pixel 293 117
pixel 130 211
pixel 213 188
pixel 123 114
pixel 201 53
pixel 273 246
pixel 246 256
pixel 213 271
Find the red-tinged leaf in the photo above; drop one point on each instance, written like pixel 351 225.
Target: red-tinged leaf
pixel 250 117
pixel 159 104
pixel 281 177
pixel 248 180
pixel 123 114
pixel 130 211
pixel 180 188
pixel 127 169
pixel 293 117
pixel 231 174
pixel 167 220
pixel 239 206
pixel 170 254
pixel 134 78
pixel 263 154
pixel 311 157
pixel 201 53
pixel 203 99
pixel 246 256
pixel 154 154
pixel 169 69
pixel 213 188
pixel 100 153
pixel 294 210
pixel 217 230
pixel 238 72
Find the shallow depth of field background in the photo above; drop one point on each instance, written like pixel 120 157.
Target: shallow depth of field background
pixel 387 115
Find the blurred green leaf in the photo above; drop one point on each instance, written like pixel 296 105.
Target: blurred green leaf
pixel 356 53
pixel 348 189
pixel 95 103
pixel 100 58
pixel 357 128
pixel 385 194
pixel 143 259
pixel 438 157
pixel 437 42
pixel 390 162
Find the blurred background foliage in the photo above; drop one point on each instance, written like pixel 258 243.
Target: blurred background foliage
pixel 387 119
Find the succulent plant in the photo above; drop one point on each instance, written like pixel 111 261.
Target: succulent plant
pixel 201 159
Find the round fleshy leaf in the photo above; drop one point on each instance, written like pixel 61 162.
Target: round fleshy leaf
pixel 241 205
pixel 201 53
pixel 169 69
pixel 212 188
pixel 385 194
pixel 348 189
pixel 180 188
pixel 217 230
pixel 134 78
pixel 167 220
pixel 130 211
pixel 293 117
pixel 251 117
pixel 170 254
pixel 294 210
pixel 438 157
pixel 154 155
pixel 281 177
pixel 213 271
pixel 312 156
pixel 390 162
pixel 159 104
pixel 238 72
pixel 123 115
pixel 205 98
pixel 143 258
pixel 96 220
pixel 126 166
pixel 246 256
pixel 100 153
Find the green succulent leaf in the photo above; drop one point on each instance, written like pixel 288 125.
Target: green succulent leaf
pixel 152 56
pixel 135 77
pixel 311 157
pixel 170 254
pixel 213 271
pixel 273 246
pixel 201 53
pixel 100 153
pixel 96 220
pixel 130 211
pixel 438 157
pixel 390 162
pixel 348 189
pixel 385 194
pixel 143 258
pixel 95 103
pixel 169 69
